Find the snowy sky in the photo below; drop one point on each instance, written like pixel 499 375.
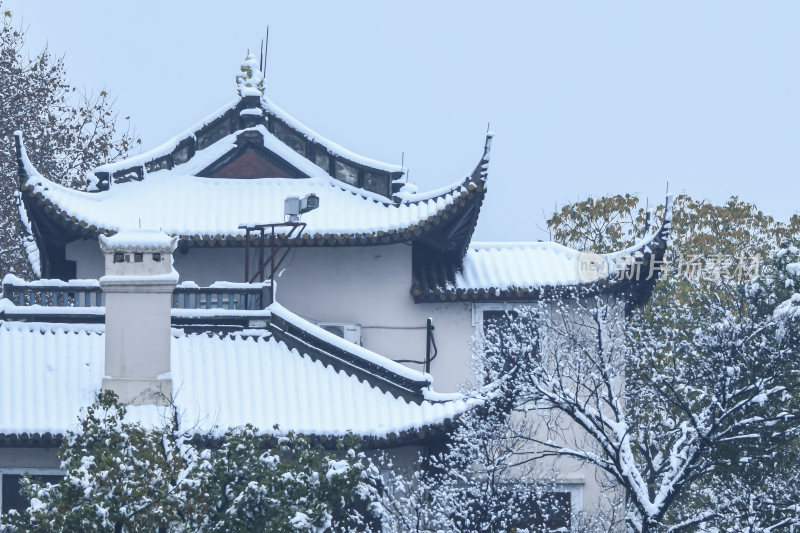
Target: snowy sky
pixel 585 98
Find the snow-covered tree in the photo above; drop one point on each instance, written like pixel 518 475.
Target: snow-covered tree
pixel 694 424
pixel 122 477
pixel 67 132
pixel 689 410
pixel 481 482
pixel 720 239
pixel 119 477
pixel 290 486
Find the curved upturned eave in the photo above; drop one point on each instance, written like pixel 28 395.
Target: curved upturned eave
pixel 38 191
pixel 637 291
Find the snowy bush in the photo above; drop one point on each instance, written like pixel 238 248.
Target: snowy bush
pixel 122 477
pixel 688 409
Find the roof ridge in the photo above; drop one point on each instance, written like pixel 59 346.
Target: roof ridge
pixel 237 116
pixel 270 106
pixel 169 145
pixel 381 372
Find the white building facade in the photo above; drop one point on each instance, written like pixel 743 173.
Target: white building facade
pixel 393 271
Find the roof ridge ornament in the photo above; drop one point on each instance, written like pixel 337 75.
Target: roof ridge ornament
pixel 250 81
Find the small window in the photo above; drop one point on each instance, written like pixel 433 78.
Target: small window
pixel 347 173
pixel 550 512
pixel 498 320
pixel 376 182
pixel 157 257
pixel 119 257
pixel 322 159
pixel 290 138
pixel 12 499
pixel 138 257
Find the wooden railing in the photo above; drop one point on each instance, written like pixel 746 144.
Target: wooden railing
pixel 221 295
pixel 87 293
pixel 53 293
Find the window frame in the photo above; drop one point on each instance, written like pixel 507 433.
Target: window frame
pixel 574 487
pixel 36 471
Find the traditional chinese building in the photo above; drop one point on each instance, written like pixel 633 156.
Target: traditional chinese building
pixel 338 295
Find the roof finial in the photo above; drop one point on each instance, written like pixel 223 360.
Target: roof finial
pixel 250 81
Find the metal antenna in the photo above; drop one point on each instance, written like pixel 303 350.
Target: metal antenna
pixel 261 57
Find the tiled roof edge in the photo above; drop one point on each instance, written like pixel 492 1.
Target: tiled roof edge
pixel 319 350
pixel 638 291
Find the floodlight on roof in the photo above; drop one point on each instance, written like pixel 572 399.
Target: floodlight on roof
pixel 294 206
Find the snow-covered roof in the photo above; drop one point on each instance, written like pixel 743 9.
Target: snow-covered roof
pixel 523 270
pixel 138 240
pixel 519 264
pixel 235 167
pixel 215 208
pixel 81 304
pixel 201 209
pixel 250 108
pixel 48 372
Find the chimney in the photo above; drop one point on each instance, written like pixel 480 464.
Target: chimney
pixel 138 284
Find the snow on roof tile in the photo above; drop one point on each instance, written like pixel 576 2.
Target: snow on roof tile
pixel 180 203
pixel 189 205
pixel 48 372
pixel 510 270
pixel 505 265
pixel 334 148
pixel 139 240
pixel 268 108
pixel 544 264
pixel 278 310
pixel 225 382
pixel 168 145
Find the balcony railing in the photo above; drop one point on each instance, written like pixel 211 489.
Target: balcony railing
pixel 222 295
pixel 87 293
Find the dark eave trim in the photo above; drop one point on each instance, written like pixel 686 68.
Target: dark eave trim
pixel 465 206
pixel 319 350
pixel 637 289
pixel 422 436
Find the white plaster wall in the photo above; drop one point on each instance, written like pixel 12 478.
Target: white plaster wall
pixel 137 334
pixel 12 458
pixel 204 266
pixel 88 258
pixel 369 286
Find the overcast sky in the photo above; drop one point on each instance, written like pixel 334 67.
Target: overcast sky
pixel 585 98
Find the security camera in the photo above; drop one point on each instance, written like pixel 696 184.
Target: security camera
pixel 294 206
pixel 308 203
